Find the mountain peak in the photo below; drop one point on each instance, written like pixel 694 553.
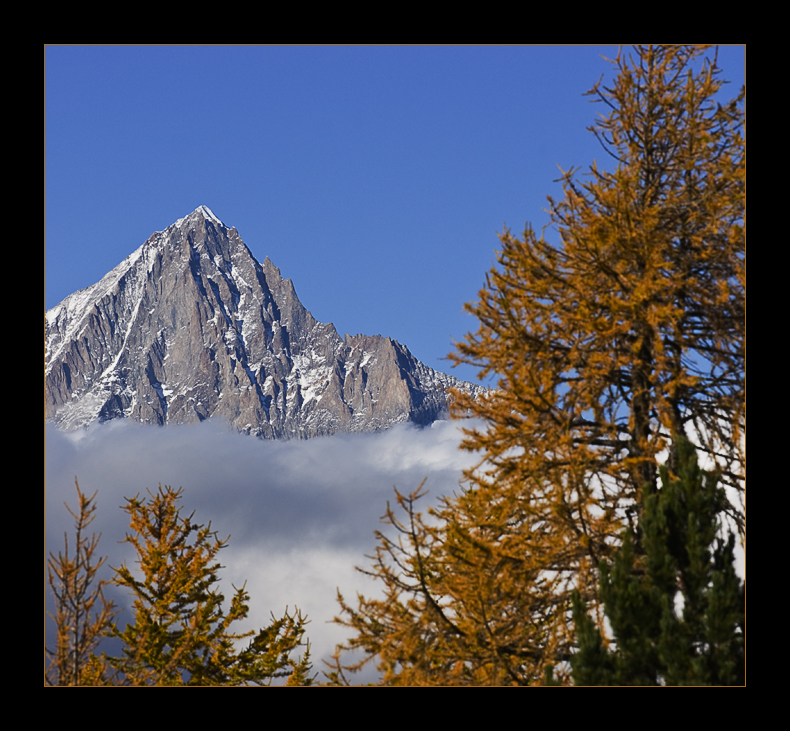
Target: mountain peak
pixel 190 326
pixel 203 212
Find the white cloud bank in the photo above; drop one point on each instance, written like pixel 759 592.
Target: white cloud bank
pixel 300 514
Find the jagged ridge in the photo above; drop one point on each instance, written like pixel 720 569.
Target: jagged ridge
pixel 191 326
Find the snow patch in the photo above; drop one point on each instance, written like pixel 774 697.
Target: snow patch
pixel 204 211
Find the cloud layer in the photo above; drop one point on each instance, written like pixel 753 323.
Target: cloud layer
pixel 300 514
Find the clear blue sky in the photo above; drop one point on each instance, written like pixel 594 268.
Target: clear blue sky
pixel 375 177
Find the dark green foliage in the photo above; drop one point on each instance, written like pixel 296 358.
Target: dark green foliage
pixel 678 551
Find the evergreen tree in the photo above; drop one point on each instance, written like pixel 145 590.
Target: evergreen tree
pixel 627 333
pixel 655 643
pixel 181 633
pixel 83 616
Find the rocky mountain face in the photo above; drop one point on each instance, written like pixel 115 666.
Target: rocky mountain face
pixel 190 326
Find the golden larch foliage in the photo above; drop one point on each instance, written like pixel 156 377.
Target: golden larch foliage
pixel 606 344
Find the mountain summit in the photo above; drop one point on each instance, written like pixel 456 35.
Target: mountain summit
pixel 191 326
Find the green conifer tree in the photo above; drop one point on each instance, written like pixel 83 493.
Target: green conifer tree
pixel 676 552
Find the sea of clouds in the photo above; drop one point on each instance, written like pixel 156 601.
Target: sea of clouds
pixel 301 515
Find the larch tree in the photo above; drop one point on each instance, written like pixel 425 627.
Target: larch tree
pixel 82 614
pixel 180 633
pixel 608 344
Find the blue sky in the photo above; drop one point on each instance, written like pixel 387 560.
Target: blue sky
pixel 375 177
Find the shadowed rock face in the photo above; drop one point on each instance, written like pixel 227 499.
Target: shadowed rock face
pixel 191 326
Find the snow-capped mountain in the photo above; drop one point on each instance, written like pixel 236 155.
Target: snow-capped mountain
pixel 191 326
